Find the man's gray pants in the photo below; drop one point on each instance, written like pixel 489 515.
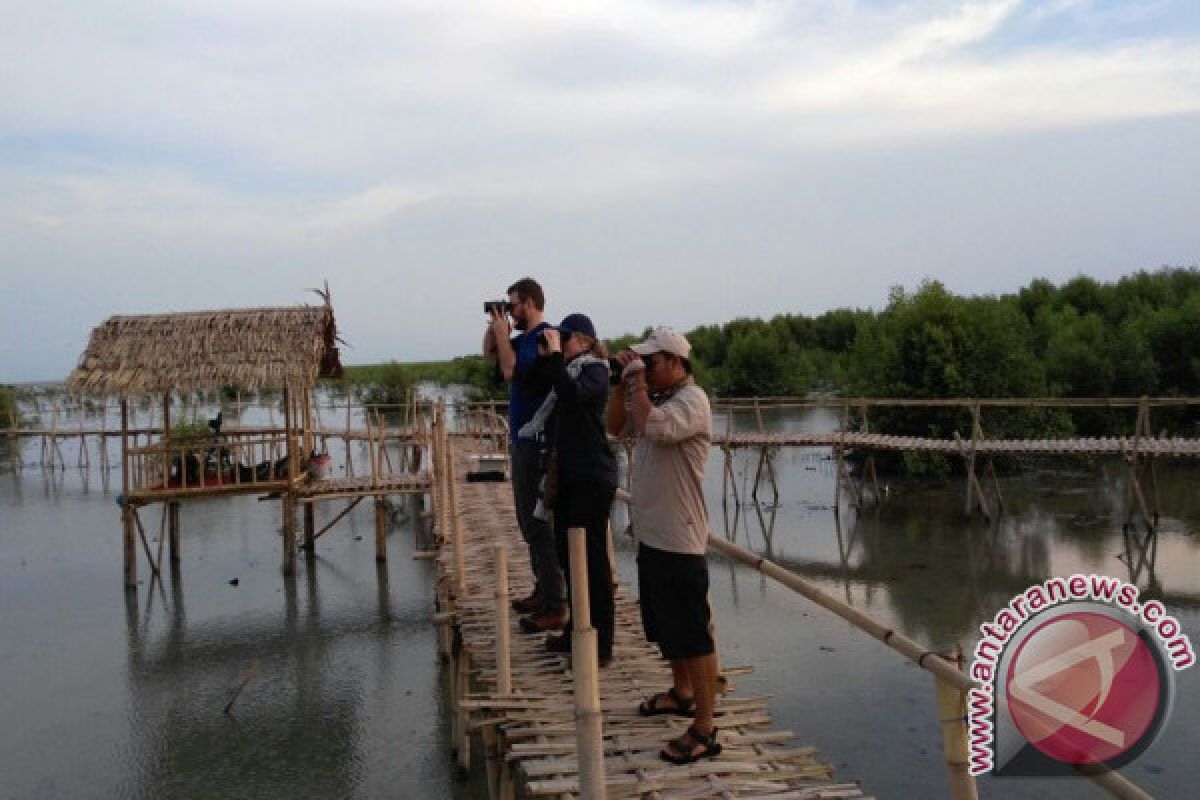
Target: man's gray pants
pixel 543 557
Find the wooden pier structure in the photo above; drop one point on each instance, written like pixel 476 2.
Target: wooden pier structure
pixel 559 725
pixel 527 704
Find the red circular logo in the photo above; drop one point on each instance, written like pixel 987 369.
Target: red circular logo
pixel 1083 688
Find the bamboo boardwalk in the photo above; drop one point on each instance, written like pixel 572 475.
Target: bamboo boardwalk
pixel 530 733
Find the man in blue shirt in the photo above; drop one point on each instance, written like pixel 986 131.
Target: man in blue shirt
pixel 528 386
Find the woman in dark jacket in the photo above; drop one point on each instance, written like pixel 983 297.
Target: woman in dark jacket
pixel 585 478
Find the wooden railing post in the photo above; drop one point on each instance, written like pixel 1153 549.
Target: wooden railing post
pixel 503 628
pixel 585 668
pixel 127 532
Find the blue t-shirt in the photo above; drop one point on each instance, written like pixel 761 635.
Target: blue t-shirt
pixel 529 387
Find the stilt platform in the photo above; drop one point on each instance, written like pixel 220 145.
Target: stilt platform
pixel 529 732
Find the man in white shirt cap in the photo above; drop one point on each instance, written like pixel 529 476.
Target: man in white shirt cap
pixel 658 403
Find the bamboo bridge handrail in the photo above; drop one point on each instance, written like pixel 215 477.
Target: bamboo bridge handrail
pixel 749 403
pixel 1111 781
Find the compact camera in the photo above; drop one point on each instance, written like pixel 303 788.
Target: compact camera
pixel 503 306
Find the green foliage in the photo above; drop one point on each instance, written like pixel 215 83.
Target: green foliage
pixel 385 384
pixel 388 384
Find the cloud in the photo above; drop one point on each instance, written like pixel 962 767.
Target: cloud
pixel 278 133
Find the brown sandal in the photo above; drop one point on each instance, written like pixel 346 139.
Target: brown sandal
pixel 654 706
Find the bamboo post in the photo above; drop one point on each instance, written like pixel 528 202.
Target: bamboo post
pixel 83 458
pixel 307 422
pixel 37 412
pixel 381 515
pixel 460 572
pixel 104 442
pixel 173 530
pixel 310 526
pixel 286 499
pixel 52 443
pixel 952 712
pixel 166 443
pixel 62 459
pixel 15 439
pixel 127 524
pixel 462 715
pixel 585 670
pixel 491 757
pixel 346 434
pixel 991 468
pixel 837 478
pixel 869 468
pixel 503 628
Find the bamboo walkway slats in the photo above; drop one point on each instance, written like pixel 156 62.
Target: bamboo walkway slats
pixel 530 731
pixel 363 486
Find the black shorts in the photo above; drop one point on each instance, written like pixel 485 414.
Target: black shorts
pixel 674 600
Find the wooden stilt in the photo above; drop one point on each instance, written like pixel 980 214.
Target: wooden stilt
pixel 491 757
pixel 289 533
pixel 737 495
pixel 503 628
pixel 1154 490
pixel 381 520
pixel 137 521
pixel 991 469
pixel 462 716
pixel 130 546
pixel 310 527
pixel 166 444
pixel 288 498
pixel 505 785
pixel 762 456
pixel 83 457
pixel 173 531
pixel 127 524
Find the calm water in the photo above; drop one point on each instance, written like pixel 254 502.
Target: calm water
pixel 109 695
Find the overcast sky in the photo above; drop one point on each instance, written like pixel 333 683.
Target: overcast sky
pixel 649 162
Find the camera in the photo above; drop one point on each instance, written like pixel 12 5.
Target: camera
pixel 503 306
pixel 614 372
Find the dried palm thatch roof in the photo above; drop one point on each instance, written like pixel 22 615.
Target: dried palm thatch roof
pixel 251 348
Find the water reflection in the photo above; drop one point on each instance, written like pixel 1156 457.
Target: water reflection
pixel 194 743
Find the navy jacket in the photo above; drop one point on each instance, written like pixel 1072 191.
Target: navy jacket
pixel 577 426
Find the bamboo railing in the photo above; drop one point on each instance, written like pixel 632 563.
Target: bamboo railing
pixel 951 685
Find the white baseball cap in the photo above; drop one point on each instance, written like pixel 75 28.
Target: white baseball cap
pixel 664 340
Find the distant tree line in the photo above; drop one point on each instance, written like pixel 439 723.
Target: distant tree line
pixel 1138 335
pixel 1083 338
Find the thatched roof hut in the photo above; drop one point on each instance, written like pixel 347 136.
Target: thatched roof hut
pixel 253 348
